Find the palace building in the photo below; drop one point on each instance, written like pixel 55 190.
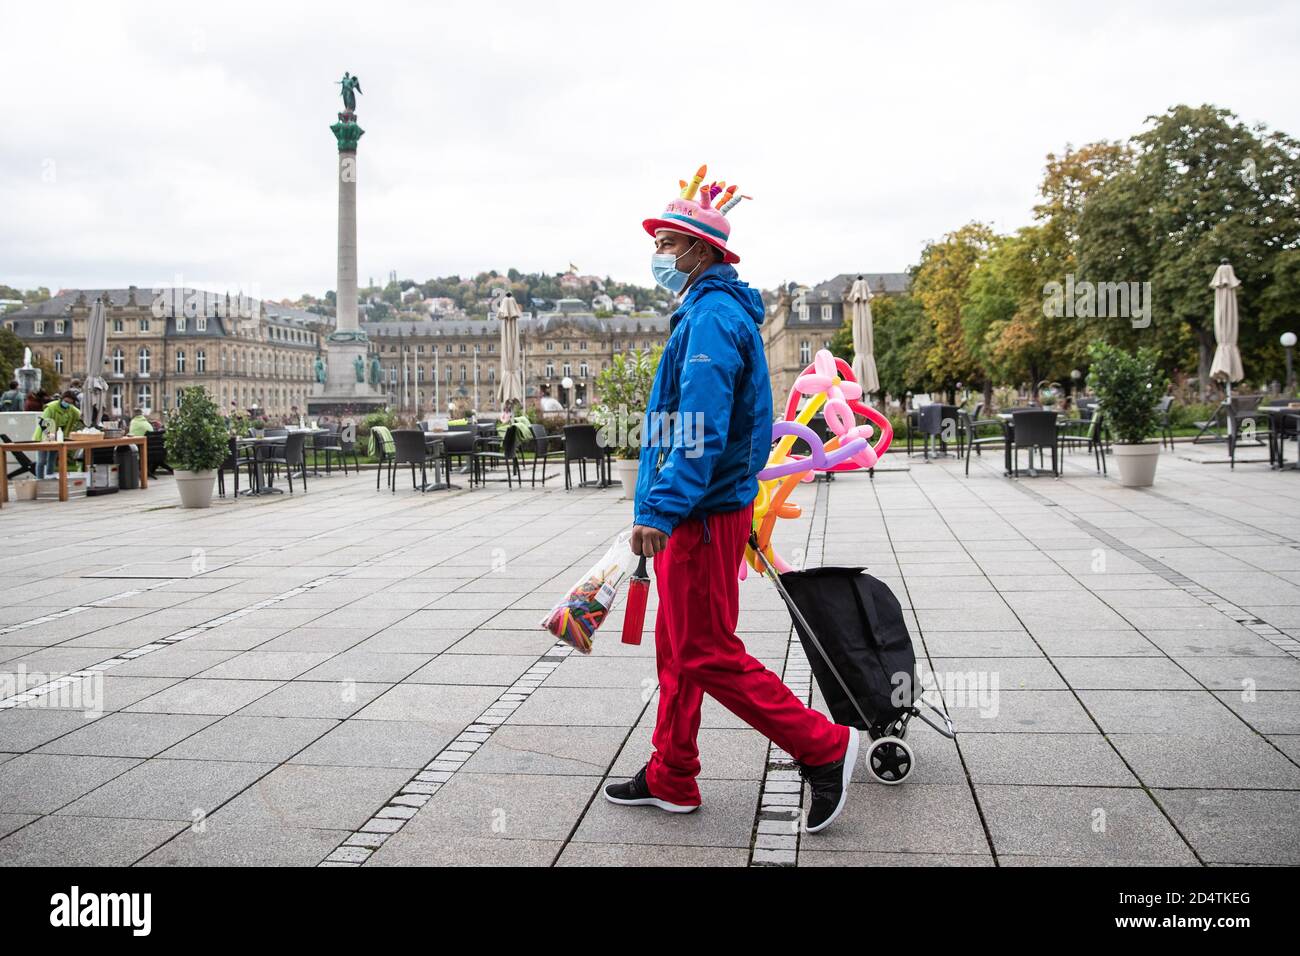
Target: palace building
pixel 246 352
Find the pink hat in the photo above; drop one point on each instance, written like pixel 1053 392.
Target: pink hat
pixel 697 217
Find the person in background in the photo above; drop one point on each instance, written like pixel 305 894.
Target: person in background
pixel 140 424
pixel 62 414
pixel 294 418
pixel 12 400
pixel 36 401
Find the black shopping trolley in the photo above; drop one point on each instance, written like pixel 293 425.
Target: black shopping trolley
pixel 855 625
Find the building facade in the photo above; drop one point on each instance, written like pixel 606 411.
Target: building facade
pixel 247 353
pixel 429 364
pixel 804 319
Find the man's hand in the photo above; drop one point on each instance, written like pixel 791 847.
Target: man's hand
pixel 648 541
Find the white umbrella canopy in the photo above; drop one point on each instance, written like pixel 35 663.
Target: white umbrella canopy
pixel 864 345
pixel 1227 357
pixel 93 386
pixel 511 387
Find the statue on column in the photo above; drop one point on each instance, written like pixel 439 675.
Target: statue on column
pixel 319 368
pixel 359 365
pixel 375 371
pixel 349 84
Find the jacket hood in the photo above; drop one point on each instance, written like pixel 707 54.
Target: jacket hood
pixel 725 278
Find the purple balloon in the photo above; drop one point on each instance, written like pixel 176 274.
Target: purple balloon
pixel 819 460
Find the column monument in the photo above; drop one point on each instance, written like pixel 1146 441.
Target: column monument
pixel 350 383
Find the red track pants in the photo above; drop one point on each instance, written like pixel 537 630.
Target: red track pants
pixel 698 652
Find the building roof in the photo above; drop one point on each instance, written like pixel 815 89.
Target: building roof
pixel 212 304
pixel 880 283
pixel 528 325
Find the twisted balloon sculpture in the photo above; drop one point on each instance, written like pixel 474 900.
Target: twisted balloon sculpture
pixel 829 385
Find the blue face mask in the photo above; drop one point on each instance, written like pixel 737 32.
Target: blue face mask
pixel 63 405
pixel 663 266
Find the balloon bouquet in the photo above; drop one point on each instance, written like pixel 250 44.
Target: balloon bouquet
pixel 829 386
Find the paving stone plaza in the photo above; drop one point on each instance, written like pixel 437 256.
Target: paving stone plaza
pixel 351 677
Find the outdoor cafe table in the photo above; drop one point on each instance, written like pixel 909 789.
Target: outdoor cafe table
pixel 1278 415
pixel 256 466
pixel 62 447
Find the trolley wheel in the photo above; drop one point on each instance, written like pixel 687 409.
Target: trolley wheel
pixel 890 760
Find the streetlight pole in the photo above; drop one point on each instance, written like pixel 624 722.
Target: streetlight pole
pixel 1288 343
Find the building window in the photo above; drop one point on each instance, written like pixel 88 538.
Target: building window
pixel 201 323
pixel 143 361
pixel 462 372
pixel 550 370
pixel 144 325
pixel 550 346
pixel 582 370
pixel 566 369
pixel 58 362
pixel 201 362
pixel 805 352
pixel 180 360
pixel 119 362
pixel 58 327
pixel 117 325
pixel 115 398
pixel 462 348
pixel 38 327
pixel 582 346
pixel 826 313
pixel 144 396
pixel 803 313
pixel 180 323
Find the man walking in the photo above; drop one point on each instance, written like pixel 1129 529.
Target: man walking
pixel 709 419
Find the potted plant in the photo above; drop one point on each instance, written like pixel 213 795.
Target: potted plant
pixel 624 390
pixel 1128 385
pixel 197 442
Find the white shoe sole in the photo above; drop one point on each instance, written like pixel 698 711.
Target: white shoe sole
pixel 651 802
pixel 850 759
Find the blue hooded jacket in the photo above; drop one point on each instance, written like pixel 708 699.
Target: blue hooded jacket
pixel 708 425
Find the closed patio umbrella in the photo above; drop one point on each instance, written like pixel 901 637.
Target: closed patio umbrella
pixel 93 387
pixel 511 387
pixel 864 346
pixel 1227 358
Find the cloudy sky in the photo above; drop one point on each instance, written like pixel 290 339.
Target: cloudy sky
pixel 145 142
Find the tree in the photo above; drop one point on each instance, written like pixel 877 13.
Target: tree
pixel 1204 188
pixel 1003 316
pixel 939 284
pixel 902 340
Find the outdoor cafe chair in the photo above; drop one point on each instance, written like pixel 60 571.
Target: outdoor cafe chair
pixel 1092 437
pixel 382 448
pixel 1034 430
pixel 975 442
pixel 543 451
pixel 459 444
pixel 331 445
pixel 941 422
pixel 348 446
pixel 25 463
pixel 292 455
pixel 581 445
pixel 1244 424
pixel 507 455
pixel 230 464
pixel 411 449
pixel 1163 408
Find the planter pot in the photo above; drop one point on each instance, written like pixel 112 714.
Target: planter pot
pixel 626 471
pixel 1137 464
pixel 195 487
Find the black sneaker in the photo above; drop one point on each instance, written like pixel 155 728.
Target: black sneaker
pixel 829 784
pixel 636 793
